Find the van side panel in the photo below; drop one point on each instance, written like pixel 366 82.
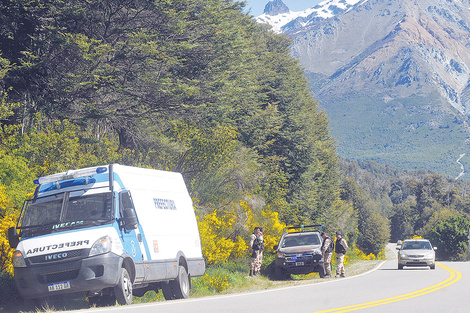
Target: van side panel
pixel 166 216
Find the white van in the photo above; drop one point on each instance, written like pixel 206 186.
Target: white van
pixel 107 233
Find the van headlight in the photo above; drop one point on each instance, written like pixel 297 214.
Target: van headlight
pixel 281 255
pixel 102 245
pixel 18 259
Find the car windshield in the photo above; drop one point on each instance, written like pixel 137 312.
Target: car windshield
pixel 45 215
pixel 300 240
pixel 416 245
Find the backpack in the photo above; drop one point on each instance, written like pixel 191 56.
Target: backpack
pixel 258 244
pixel 331 247
pixel 339 247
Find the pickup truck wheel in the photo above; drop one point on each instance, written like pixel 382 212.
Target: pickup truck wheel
pixel 180 286
pixel 123 290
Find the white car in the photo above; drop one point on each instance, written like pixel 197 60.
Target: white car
pixel 416 252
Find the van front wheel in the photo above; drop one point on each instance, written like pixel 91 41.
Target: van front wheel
pixel 123 290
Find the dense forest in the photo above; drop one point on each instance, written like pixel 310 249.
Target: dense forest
pixel 197 87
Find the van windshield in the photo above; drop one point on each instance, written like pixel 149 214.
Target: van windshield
pixel 63 212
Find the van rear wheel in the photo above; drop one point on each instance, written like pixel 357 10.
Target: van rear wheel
pixel 177 288
pixel 123 290
pixel 167 292
pixel 180 285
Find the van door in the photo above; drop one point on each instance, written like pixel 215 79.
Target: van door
pixel 131 233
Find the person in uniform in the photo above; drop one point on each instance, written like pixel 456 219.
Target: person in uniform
pixel 341 247
pixel 259 262
pixel 254 250
pixel 327 251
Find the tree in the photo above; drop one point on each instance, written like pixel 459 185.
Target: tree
pixel 6 108
pixel 374 234
pixel 127 71
pixel 451 237
pixel 373 228
pixel 402 221
pixel 16 178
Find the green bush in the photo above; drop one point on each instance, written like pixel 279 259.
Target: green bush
pixel 8 292
pixel 451 238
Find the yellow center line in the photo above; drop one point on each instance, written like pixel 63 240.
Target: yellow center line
pixel 454 277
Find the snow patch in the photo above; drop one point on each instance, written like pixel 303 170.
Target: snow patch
pixel 324 10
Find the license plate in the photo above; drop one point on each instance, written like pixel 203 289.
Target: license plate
pixel 299 263
pixel 59 286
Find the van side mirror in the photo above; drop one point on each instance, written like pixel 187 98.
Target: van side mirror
pixel 13 237
pixel 129 219
pixel 275 247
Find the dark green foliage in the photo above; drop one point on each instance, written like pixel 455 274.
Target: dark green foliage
pixel 402 222
pixel 411 202
pixel 373 228
pixel 451 236
pixel 374 234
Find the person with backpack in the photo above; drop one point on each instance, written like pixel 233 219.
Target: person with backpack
pixel 260 245
pixel 255 248
pixel 327 250
pixel 341 247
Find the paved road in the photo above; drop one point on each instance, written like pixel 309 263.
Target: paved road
pixel 385 289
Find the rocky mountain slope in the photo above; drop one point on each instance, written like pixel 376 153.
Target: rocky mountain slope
pixel 393 76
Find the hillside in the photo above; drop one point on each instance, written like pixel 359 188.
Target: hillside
pixel 392 77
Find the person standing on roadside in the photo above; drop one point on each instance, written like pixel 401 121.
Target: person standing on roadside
pixel 341 247
pixel 254 250
pixel 259 262
pixel 327 250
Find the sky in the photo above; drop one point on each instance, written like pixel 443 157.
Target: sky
pixel 257 6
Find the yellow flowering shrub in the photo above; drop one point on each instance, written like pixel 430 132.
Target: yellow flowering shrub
pixel 217 239
pixel 217 283
pixel 6 221
pixel 357 254
pixel 226 234
pixel 273 228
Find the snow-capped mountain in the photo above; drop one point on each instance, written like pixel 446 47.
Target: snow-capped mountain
pixel 278 15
